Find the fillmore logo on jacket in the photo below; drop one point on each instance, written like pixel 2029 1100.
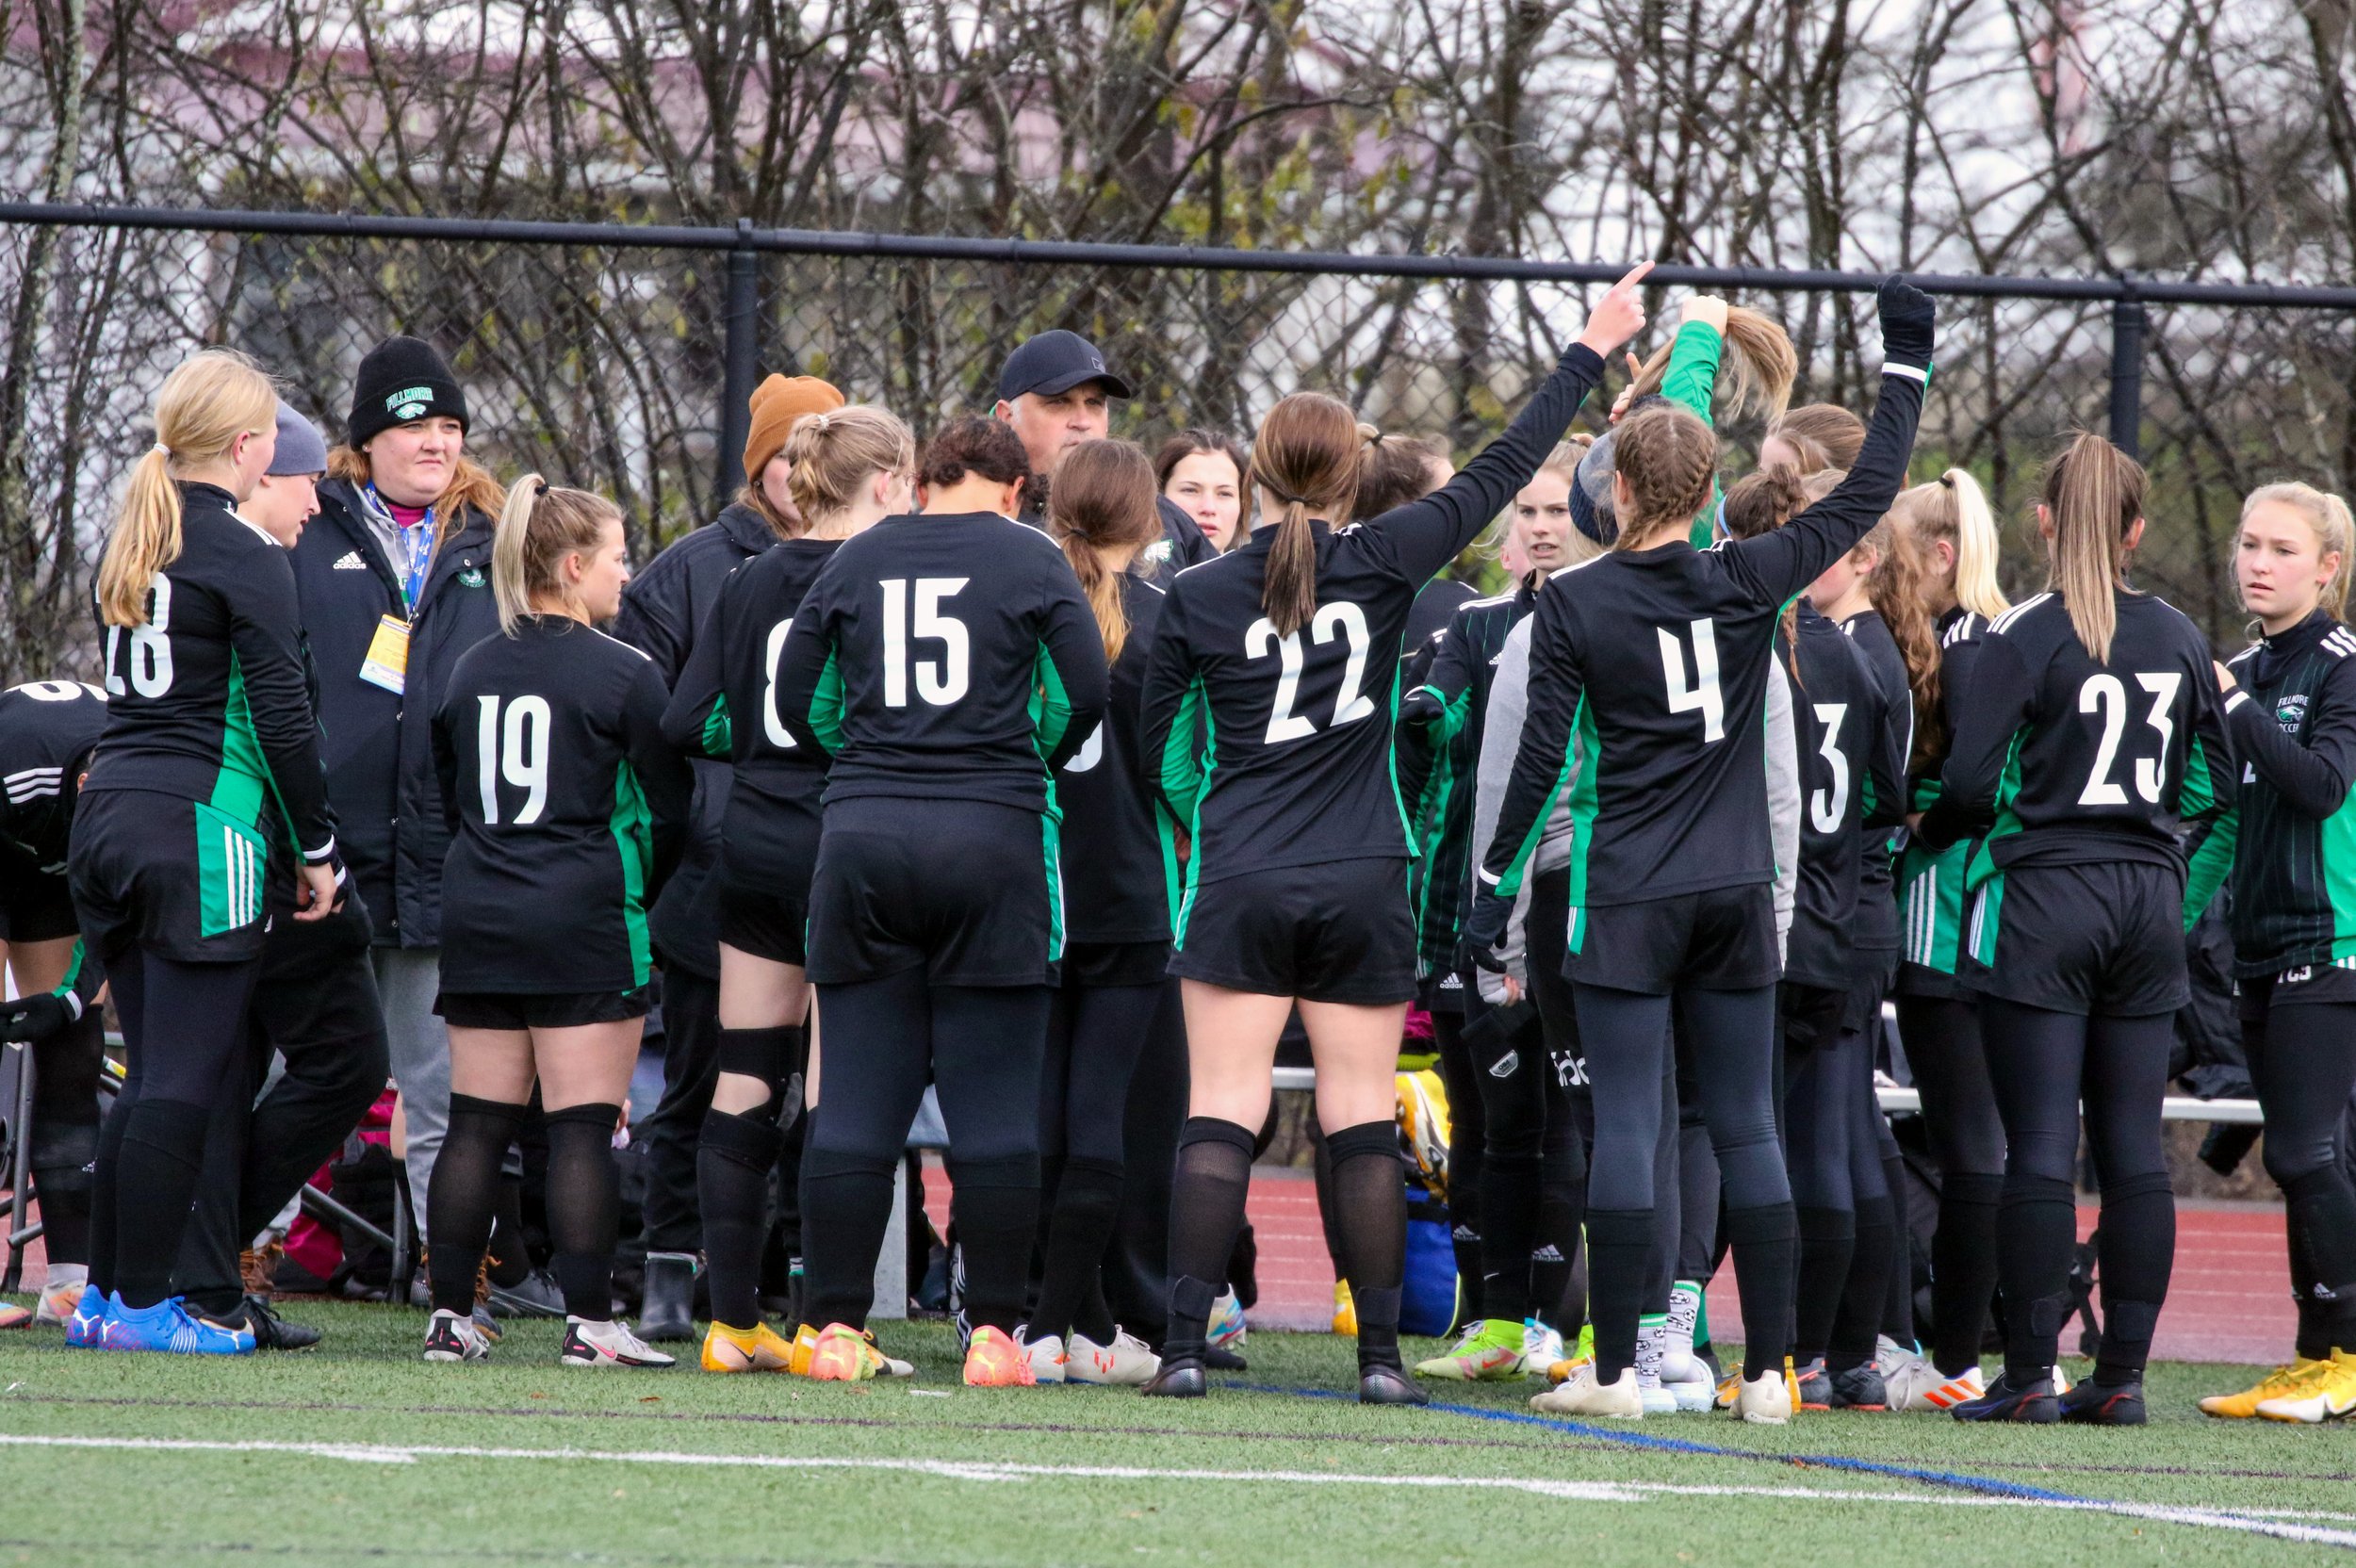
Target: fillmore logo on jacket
pixel 2290 712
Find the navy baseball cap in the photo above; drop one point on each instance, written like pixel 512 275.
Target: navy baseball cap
pixel 1056 362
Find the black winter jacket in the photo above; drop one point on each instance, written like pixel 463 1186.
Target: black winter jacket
pixel 377 745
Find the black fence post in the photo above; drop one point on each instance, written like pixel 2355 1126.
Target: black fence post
pixel 736 388
pixel 2127 323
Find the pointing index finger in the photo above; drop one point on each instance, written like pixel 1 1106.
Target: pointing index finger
pixel 1634 276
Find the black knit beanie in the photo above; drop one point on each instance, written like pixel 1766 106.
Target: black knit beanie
pixel 402 378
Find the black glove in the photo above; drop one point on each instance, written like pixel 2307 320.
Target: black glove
pixel 36 1018
pixel 1484 928
pixel 1907 315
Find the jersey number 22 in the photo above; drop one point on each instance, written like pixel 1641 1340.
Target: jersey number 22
pixel 1341 618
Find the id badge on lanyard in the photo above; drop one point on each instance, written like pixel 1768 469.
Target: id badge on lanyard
pixel 386 662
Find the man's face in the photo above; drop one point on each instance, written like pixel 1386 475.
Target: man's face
pixel 1052 423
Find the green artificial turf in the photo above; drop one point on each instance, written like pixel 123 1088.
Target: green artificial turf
pixel 930 1472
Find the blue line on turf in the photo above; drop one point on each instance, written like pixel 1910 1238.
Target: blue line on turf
pixel 1984 1484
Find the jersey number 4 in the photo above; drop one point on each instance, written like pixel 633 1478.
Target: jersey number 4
pixel 2107 693
pixel 1341 618
pixel 517 751
pixel 1701 695
pixel 939 681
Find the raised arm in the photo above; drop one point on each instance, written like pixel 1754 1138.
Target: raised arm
pixel 1541 766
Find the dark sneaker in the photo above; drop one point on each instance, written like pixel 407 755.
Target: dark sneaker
pixel 1860 1388
pixel 1181 1378
pixel 2090 1404
pixel 2034 1403
pixel 1220 1359
pixel 1388 1385
pixel 533 1296
pixel 273 1332
pixel 1815 1385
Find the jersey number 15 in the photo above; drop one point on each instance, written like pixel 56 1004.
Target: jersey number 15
pixel 939 681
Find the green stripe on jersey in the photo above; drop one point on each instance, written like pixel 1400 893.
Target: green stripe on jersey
pixel 1390 758
pixel 1191 776
pixel 1050 704
pixel 633 825
pixel 719 737
pixel 2336 841
pixel 826 704
pixel 237 788
pixel 2007 789
pixel 1988 910
pixel 1584 801
pixel 1051 845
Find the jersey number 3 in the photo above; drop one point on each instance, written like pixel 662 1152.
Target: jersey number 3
pixel 2109 694
pixel 1702 695
pixel 1342 618
pixel 517 751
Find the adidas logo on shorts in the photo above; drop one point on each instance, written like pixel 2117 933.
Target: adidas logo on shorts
pixel 1506 1064
pixel 349 561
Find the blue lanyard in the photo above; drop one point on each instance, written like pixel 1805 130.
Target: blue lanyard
pixel 418 542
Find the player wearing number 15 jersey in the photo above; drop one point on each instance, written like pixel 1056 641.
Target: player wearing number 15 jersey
pixel 947 661
pixel 2090 737
pixel 1270 705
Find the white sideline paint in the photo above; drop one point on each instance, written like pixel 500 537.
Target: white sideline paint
pixel 2281 1524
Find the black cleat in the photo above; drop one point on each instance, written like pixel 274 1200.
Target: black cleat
pixel 1815 1385
pixel 1860 1388
pixel 1219 1360
pixel 2090 1404
pixel 1181 1378
pixel 1388 1385
pixel 2034 1404
pixel 668 1314
pixel 272 1331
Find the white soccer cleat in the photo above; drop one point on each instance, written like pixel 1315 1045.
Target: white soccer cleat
pixel 1580 1395
pixel 1047 1357
pixel 450 1337
pixel 1128 1362
pixel 608 1344
pixel 1542 1346
pixel 1765 1400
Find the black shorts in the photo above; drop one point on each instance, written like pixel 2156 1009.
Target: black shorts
pixel 1443 992
pixel 2303 983
pixel 330 1004
pixel 1098 966
pixel 967 891
pixel 764 924
pixel 1341 931
pixel 2103 939
pixel 35 905
pixel 552 1010
pixel 175 876
pixel 1813 1017
pixel 1723 939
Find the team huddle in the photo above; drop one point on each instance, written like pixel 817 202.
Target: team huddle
pixel 946 765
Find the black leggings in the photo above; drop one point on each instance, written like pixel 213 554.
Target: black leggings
pixel 1468 1155
pixel 1533 1168
pixel 65 1134
pixel 2304 1057
pixel 1836 1185
pixel 1731 1035
pixel 883 1039
pixel 1094 1036
pixel 184 1030
pixel 1941 1036
pixel 2043 1065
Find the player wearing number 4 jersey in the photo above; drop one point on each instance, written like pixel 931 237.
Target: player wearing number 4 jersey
pixel 1269 705
pixel 2091 736
pixel 1653 661
pixel 947 662
pixel 567 811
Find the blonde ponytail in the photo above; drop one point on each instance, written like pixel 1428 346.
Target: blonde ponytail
pixel 1755 372
pixel 2093 494
pixel 538 527
pixel 201 410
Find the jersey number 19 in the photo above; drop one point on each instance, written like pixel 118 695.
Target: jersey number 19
pixel 517 751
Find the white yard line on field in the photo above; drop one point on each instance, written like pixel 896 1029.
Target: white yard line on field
pixel 2283 1524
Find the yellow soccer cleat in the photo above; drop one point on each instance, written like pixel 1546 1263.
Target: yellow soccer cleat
pixel 805 1344
pixel 1344 1310
pixel 843 1355
pixel 993 1359
pixel 2282 1382
pixel 758 1348
pixel 2329 1396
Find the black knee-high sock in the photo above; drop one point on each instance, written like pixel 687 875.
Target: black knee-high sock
pixel 994 1206
pixel 733 1156
pixel 2313 1340
pixel 104 1171
pixel 1964 1267
pixel 2136 1247
pixel 1561 1204
pixel 1898 1283
pixel 1087 1205
pixel 1510 1200
pixel 465 1194
pixel 2035 1232
pixel 1619 1253
pixel 1828 1242
pixel 846 1204
pixel 1370 1192
pixel 1765 1241
pixel 584 1206
pixel 162 1154
pixel 2321 1213
pixel 1862 1299
pixel 508 1253
pixel 1212 1178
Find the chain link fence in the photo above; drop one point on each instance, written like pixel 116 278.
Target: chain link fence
pixel 618 358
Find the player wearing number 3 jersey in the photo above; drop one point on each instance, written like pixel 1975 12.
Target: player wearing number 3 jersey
pixel 1269 703
pixel 1652 663
pixel 946 661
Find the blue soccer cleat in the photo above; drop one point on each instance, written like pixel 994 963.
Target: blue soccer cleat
pixel 169 1327
pixel 88 1315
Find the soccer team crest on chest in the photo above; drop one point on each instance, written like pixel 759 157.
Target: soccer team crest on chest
pixel 2291 711
pixel 471 578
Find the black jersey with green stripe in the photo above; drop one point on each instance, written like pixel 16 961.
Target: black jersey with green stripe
pixel 1277 750
pixel 944 657
pixel 1657 662
pixel 568 810
pixel 2059 758
pixel 1119 862
pixel 725 702
pixel 207 695
pixel 2293 719
pixel 1852 781
pixel 47 728
pixel 1446 711
pixel 1930 881
pixel 1877 899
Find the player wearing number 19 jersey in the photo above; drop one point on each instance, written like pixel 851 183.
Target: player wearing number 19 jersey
pixel 2091 736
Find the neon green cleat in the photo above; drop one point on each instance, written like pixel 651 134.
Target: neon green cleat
pixel 1488 1351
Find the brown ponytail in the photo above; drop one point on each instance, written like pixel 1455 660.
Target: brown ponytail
pixel 201 410
pixel 1760 503
pixel 1822 435
pixel 1306 456
pixel 1755 372
pixel 2093 494
pixel 1104 501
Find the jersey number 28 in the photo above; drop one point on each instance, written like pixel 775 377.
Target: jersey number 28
pixel 1341 618
pixel 151 648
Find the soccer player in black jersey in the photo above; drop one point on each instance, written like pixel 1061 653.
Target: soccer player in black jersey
pixel 47 731
pixel 1855 782
pixel 209 727
pixel 1946 529
pixel 947 662
pixel 1118 861
pixel 568 813
pixel 2090 735
pixel 850 468
pixel 2290 703
pixel 1268 723
pixel 1654 660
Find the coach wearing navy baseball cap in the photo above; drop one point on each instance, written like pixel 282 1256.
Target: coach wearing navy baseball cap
pixel 1056 391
